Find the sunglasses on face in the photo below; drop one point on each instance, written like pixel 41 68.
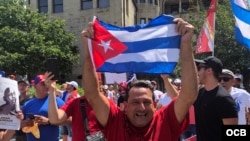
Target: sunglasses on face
pixel 200 67
pixel 225 79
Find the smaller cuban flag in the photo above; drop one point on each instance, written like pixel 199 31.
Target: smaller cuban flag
pixel 151 48
pixel 241 13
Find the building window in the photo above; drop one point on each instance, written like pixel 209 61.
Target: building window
pixel 149 19
pixel 156 2
pixel 102 3
pixel 43 6
pixel 175 8
pixel 57 6
pixel 86 4
pixel 142 1
pixel 150 1
pixel 142 20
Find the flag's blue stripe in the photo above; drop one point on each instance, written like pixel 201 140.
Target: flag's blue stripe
pixel 161 20
pixel 241 13
pixel 241 39
pixel 155 43
pixel 139 67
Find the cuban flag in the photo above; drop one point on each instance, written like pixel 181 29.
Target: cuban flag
pixel 151 48
pixel 241 13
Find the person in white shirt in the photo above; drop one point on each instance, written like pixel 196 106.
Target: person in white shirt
pixel 109 93
pixel 241 96
pixel 166 98
pixel 157 93
pixel 240 76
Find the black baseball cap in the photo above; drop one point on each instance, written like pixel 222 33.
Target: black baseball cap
pixel 211 62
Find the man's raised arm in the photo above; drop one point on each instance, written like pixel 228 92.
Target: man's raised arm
pixel 97 100
pixel 189 86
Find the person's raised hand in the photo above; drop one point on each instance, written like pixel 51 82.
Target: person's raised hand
pixel 185 29
pixel 19 115
pixel 88 32
pixel 51 84
pixel 164 76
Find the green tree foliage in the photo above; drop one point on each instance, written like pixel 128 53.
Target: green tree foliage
pixel 32 90
pixel 28 38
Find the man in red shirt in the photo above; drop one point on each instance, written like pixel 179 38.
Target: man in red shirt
pixel 71 112
pixel 140 120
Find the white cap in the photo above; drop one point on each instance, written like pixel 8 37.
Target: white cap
pixel 228 72
pixel 105 87
pixel 73 83
pixel 177 81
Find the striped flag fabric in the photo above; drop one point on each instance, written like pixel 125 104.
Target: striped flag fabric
pixel 151 48
pixel 205 41
pixel 241 11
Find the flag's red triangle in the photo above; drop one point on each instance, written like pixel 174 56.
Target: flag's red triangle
pixel 104 45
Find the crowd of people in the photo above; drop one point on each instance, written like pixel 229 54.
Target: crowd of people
pixel 196 105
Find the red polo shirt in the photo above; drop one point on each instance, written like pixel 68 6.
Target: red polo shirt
pixel 72 108
pixel 163 127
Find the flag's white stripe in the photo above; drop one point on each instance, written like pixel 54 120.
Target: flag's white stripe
pixel 244 28
pixel 146 33
pixel 240 3
pixel 155 55
pixel 90 52
pixel 210 41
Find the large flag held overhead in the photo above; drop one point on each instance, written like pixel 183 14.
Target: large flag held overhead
pixel 241 11
pixel 205 41
pixel 151 48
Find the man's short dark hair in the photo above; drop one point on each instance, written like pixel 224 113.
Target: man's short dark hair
pixel 139 84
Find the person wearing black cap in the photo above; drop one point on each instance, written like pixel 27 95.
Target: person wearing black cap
pixel 23 87
pixel 214 105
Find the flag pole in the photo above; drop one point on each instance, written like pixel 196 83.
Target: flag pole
pixel 180 8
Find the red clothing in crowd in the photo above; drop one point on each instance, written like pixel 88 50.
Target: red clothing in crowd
pixel 191 115
pixel 73 94
pixel 72 108
pixel 163 127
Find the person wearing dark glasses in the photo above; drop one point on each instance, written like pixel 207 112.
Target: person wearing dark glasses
pixel 240 96
pixel 214 106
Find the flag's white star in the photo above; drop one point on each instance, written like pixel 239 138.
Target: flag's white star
pixel 106 45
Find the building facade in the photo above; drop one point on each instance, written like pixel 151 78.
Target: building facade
pixel 77 14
